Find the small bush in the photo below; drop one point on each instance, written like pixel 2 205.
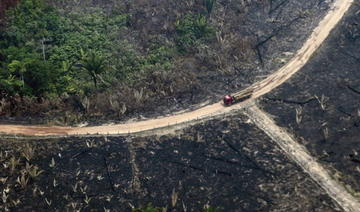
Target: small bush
pixel 191 31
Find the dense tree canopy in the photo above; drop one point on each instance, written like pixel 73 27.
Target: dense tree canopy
pixel 43 51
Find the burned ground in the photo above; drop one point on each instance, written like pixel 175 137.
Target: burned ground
pixel 253 39
pixel 321 103
pixel 227 164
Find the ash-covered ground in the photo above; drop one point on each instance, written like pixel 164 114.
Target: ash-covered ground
pixel 225 164
pixel 321 103
pixel 253 39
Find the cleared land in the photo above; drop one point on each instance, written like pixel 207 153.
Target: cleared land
pixel 227 164
pixel 249 40
pixel 300 155
pixel 208 158
pixel 320 105
pixel 303 55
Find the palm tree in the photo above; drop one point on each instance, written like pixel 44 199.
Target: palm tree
pixel 95 64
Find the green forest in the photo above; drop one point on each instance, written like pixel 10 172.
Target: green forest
pixel 45 54
pixel 48 54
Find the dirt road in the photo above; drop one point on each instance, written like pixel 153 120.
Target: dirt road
pixel 319 34
pixel 300 155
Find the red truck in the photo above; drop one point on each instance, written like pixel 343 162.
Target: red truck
pixel 238 97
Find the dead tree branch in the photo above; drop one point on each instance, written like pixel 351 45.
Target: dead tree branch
pixel 273 9
pixel 108 174
pixel 353 89
pixel 255 165
pixel 302 103
pixel 272 35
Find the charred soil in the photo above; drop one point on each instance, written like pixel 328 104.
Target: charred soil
pixel 229 165
pixel 321 103
pixel 253 38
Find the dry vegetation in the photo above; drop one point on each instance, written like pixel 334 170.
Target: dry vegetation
pixel 248 39
pixel 227 165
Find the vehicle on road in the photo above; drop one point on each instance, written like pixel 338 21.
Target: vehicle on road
pixel 238 97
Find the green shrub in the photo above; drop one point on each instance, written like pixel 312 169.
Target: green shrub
pixel 192 30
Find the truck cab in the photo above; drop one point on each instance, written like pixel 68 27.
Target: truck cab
pixel 228 100
pixel 237 97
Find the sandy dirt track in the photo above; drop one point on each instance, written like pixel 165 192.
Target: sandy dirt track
pixel 319 34
pixel 300 155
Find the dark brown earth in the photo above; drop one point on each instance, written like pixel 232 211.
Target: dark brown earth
pixel 227 164
pixel 326 94
pixel 4 5
pixel 249 30
pixel 256 38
